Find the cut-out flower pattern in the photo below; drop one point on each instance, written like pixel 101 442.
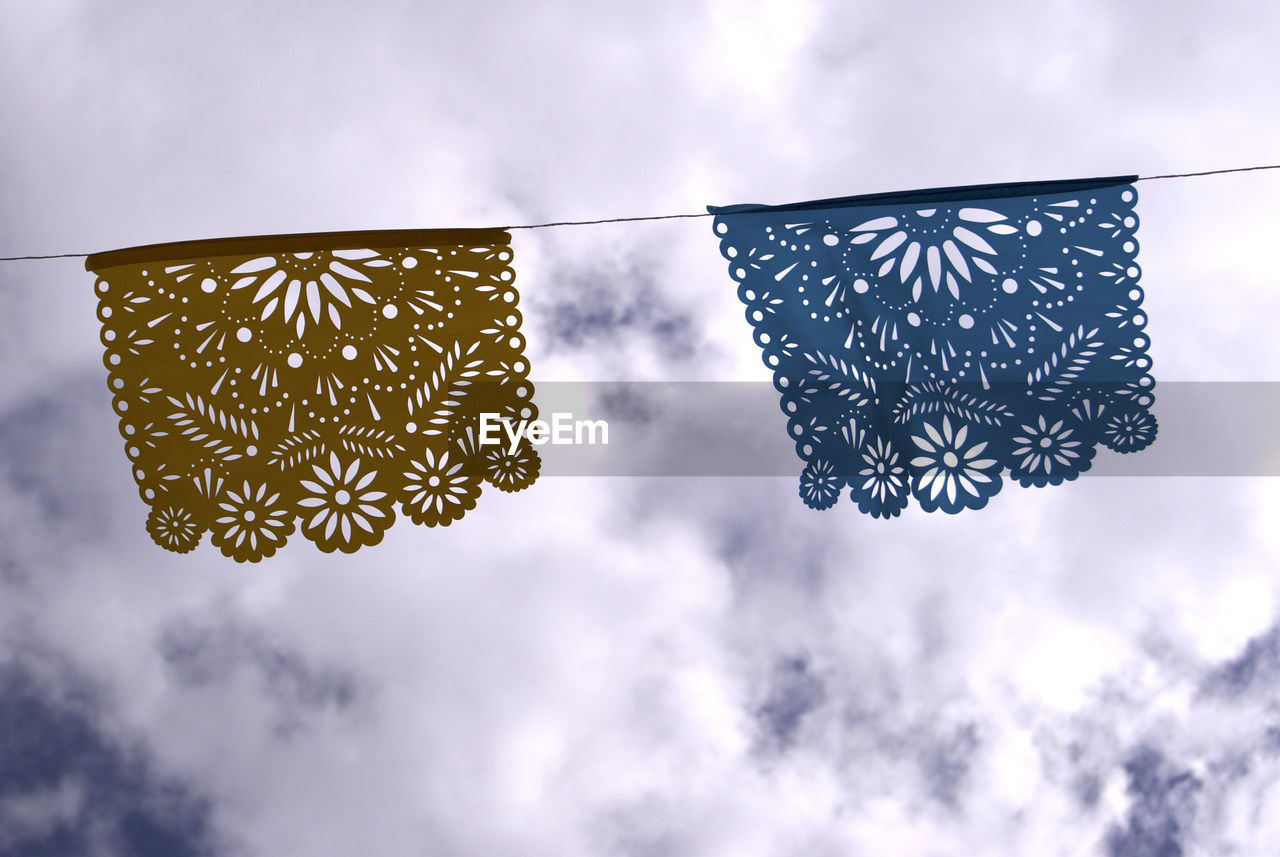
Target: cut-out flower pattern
pixel 251 523
pixel 438 490
pixel 933 246
pixel 1129 431
pixel 950 472
pixel 173 528
pixel 880 485
pixel 1048 453
pixel 298 286
pixel 819 485
pixel 509 471
pixel 343 510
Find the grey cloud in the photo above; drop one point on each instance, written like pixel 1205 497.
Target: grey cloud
pixel 643 829
pixel 43 433
pixel 1087 788
pixel 68 788
pixel 66 428
pixel 794 692
pixel 1163 809
pixel 1257 668
pixel 758 558
pixel 945 763
pixel 1184 776
pixel 203 654
pixel 598 309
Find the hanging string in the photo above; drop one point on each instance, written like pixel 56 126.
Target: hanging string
pixel 50 256
pixel 606 220
pixel 550 224
pixel 1209 173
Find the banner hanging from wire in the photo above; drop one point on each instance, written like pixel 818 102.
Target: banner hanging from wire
pixel 315 380
pixel 924 343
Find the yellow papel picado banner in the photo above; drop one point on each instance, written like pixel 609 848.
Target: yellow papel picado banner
pixel 313 382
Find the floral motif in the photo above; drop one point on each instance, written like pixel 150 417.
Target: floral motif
pixel 295 285
pixel 508 471
pixel 173 528
pixel 343 509
pixel 1003 323
pixel 880 486
pixel 1129 431
pixel 938 244
pixel 251 523
pixel 819 485
pixel 949 472
pixel 1047 453
pixel 438 490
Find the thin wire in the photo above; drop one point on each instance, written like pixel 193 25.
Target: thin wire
pixel 50 256
pixel 1209 173
pixel 607 220
pixel 696 214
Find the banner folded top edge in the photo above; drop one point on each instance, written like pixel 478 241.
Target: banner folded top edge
pixel 292 243
pixel 938 194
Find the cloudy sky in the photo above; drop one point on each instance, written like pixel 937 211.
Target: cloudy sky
pixel 634 666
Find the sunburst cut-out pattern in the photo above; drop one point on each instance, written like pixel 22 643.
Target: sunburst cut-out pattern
pixel 312 382
pixel 925 342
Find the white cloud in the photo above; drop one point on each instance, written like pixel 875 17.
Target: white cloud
pixel 581 668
